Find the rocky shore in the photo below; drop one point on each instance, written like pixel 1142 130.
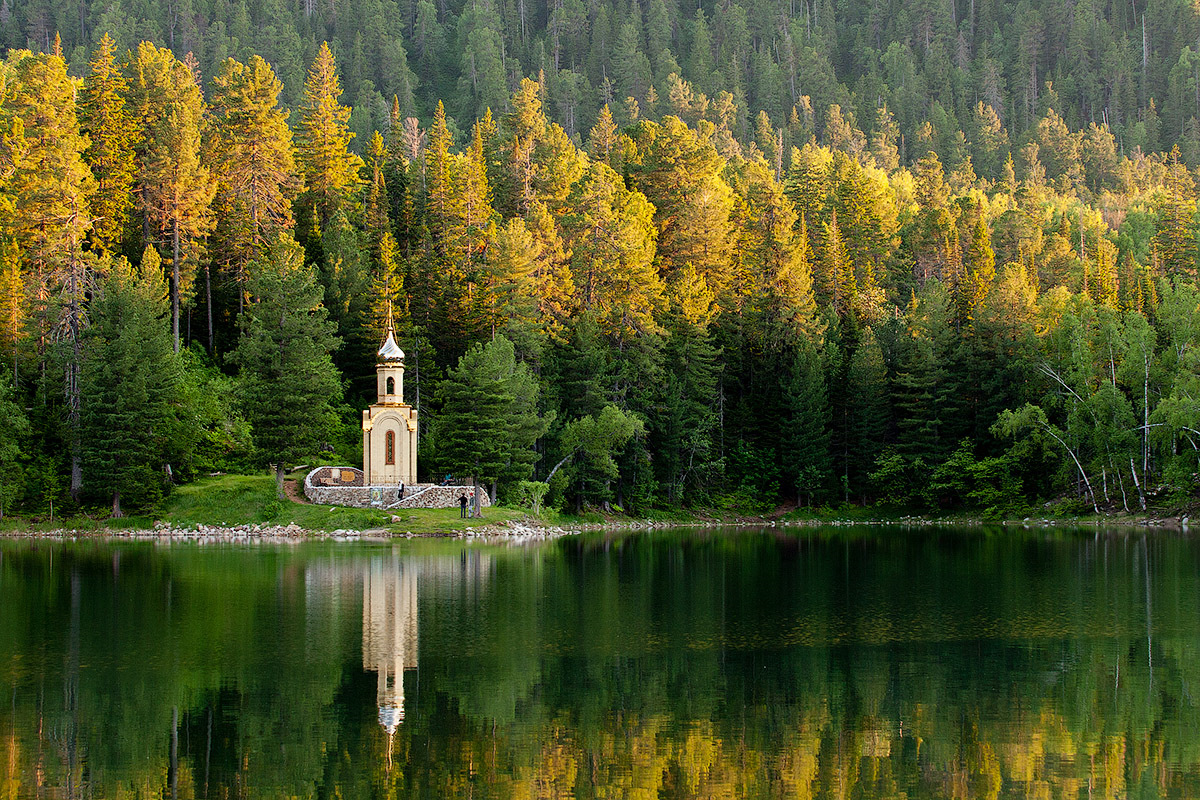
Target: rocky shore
pixel 527 531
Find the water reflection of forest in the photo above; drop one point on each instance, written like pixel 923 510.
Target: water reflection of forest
pixel 658 668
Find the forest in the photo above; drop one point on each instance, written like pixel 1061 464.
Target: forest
pixel 938 255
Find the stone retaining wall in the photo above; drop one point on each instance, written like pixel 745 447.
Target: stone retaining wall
pixel 437 496
pixel 318 489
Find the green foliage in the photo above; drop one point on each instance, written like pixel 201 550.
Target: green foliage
pixel 592 444
pixel 489 420
pixel 133 421
pixel 530 494
pixel 14 428
pixel 287 384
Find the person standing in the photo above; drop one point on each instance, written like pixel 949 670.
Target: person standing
pixel 462 506
pixel 400 492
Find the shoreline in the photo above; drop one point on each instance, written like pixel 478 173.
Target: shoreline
pixel 533 530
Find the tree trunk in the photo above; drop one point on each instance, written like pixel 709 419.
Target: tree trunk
pixel 175 283
pixel 116 507
pixel 208 305
pixel 279 482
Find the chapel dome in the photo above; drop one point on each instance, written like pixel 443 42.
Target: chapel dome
pixel 390 351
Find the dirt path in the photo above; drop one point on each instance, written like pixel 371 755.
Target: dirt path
pixel 294 492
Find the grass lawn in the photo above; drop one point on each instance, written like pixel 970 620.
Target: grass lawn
pixel 229 500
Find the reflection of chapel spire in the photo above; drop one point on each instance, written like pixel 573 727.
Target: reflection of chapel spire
pixel 389 635
pixel 390 351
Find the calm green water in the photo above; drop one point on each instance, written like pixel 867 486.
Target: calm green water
pixel 829 663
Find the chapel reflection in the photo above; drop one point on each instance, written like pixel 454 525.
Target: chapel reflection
pixel 390 586
pixel 389 633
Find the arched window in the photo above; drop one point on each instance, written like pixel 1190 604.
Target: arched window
pixel 391 385
pixel 389 446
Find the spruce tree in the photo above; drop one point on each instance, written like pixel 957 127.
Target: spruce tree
pixel 805 431
pixel 132 382
pixel 14 427
pixel 489 420
pixel 288 385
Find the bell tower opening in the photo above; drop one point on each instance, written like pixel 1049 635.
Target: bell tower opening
pixel 391 386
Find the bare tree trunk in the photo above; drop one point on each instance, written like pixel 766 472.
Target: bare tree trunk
pixel 175 283
pixel 208 304
pixel 279 481
pixel 1138 484
pixel 116 506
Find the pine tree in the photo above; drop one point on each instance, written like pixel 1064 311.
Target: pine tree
pixel 288 385
pixel 252 157
pixel 376 222
pixel 177 187
pixel 13 303
pixel 837 274
pixel 112 136
pixel 773 257
pixel 132 382
pixel 602 138
pixel 1175 238
pixel 51 188
pixel 610 233
pixel 331 171
pixel 680 174
pixel 980 266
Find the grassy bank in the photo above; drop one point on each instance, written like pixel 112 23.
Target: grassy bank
pixel 229 500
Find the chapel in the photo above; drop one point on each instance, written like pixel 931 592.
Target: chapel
pixel 389 425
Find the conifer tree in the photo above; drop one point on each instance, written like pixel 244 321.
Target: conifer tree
pixel 132 383
pixel 610 233
pixel 252 156
pixel 867 413
pixel 680 174
pixel 1175 238
pixel 288 385
pixel 112 136
pixel 177 187
pixel 13 303
pixel 686 422
pixel 489 420
pixel 837 274
pixel 51 188
pixel 49 181
pixel 981 267
pixel 376 222
pixel 331 171
pixel 603 136
pixel 14 427
pixel 805 433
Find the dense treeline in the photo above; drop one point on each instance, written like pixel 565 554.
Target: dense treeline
pixel 671 310
pixel 1133 66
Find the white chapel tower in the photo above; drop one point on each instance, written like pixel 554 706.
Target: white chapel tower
pixel 389 425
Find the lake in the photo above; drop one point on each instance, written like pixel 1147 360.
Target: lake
pixel 828 662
